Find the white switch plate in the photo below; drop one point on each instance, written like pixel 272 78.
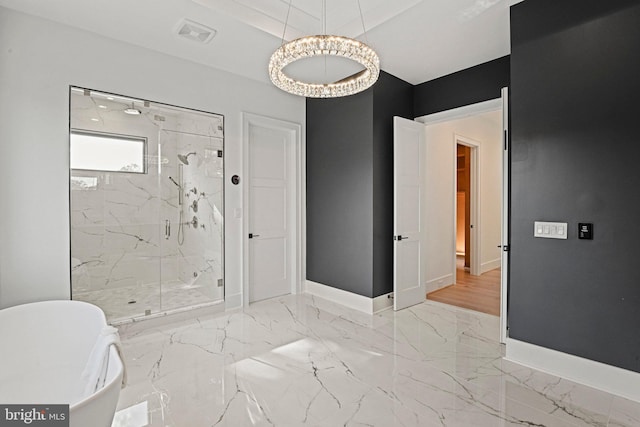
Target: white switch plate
pixel 550 230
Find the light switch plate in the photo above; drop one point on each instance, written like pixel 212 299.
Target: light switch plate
pixel 550 230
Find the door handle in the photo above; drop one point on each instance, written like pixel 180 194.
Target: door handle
pixel 399 237
pixel 167 229
pixel 251 235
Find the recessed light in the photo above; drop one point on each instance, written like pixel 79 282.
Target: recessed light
pixel 93 119
pixel 104 107
pixel 132 110
pixel 110 98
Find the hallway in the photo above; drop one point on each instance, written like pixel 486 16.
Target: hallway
pixel 478 293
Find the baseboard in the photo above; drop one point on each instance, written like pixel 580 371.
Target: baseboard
pixel 609 378
pixel 491 265
pixel 349 299
pixel 439 283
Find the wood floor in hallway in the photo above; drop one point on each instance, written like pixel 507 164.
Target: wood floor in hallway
pixel 479 293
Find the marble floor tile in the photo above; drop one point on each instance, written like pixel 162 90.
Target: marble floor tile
pixel 301 360
pixel 624 413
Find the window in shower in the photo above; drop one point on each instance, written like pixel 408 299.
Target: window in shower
pixel 107 152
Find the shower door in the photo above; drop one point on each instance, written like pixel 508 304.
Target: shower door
pixel 192 167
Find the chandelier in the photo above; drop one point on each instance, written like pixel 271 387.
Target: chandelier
pixel 324 45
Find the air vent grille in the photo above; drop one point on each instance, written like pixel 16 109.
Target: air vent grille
pixel 194 31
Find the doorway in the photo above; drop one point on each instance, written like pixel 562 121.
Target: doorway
pixel 437 219
pixel 463 207
pixel 476 266
pixel 465 272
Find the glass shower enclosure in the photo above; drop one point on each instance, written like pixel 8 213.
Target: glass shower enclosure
pixel 146 204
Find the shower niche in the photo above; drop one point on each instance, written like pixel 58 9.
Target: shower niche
pixel 147 205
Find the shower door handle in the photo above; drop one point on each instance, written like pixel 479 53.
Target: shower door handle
pixel 167 229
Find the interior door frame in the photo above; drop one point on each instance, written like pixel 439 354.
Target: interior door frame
pixel 476 247
pixel 505 219
pixel 297 211
pixel 500 103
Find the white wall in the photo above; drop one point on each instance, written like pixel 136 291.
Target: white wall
pixel 39 60
pixel 439 216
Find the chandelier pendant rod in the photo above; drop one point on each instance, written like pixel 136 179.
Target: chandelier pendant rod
pixel 286 21
pixel 324 32
pixel 364 29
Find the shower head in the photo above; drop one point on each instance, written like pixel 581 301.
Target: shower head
pixel 184 158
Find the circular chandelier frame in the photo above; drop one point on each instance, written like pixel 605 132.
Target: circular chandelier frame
pixel 324 45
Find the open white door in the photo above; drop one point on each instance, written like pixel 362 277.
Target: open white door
pixel 409 151
pixel 504 261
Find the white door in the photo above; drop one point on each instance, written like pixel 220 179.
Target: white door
pixel 269 211
pixel 504 261
pixel 409 151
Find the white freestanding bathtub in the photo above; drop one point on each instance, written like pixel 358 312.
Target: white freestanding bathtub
pixel 50 353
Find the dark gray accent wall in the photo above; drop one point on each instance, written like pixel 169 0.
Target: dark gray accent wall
pixel 575 90
pixel 350 187
pixel 340 192
pixel 476 84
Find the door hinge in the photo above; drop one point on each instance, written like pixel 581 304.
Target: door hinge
pixel 220 153
pixel 220 283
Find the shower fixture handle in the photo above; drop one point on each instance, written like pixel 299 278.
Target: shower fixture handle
pixel 167 229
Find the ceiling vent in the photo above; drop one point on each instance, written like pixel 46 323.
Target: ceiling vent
pixel 194 31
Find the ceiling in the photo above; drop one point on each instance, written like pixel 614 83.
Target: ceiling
pixel 417 40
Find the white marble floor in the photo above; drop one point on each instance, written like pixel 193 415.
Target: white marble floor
pixel 299 360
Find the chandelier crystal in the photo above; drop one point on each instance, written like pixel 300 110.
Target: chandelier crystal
pixel 320 45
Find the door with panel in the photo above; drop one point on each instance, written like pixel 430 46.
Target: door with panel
pixel 270 233
pixel 408 171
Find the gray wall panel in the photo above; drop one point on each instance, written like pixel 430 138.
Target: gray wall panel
pixel 575 150
pixel 340 192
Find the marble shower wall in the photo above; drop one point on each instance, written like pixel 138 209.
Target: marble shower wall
pixel 118 219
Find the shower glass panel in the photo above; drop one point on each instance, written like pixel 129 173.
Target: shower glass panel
pixel 146 205
pixel 191 183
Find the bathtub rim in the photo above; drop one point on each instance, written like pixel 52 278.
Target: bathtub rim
pixel 113 352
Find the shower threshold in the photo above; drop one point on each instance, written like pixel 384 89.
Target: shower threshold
pixel 134 303
pixel 172 315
